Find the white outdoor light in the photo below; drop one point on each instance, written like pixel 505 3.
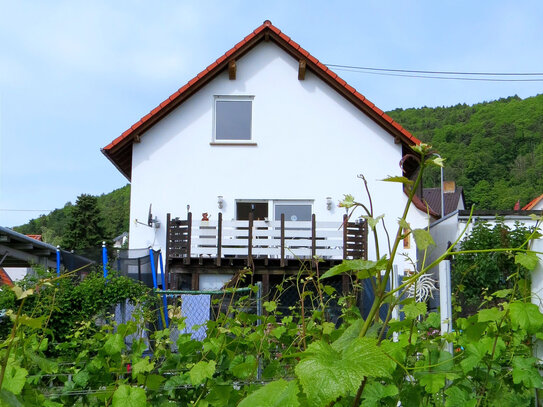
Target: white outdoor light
pixel 329 203
pixel 220 201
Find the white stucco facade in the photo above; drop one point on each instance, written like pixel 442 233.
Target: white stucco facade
pixel 309 143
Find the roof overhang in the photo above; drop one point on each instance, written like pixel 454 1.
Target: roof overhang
pixel 119 151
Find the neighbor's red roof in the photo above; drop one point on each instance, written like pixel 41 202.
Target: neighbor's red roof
pixel 5 279
pixel 36 237
pixel 119 150
pixel 533 203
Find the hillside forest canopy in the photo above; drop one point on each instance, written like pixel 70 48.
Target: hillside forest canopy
pixel 494 150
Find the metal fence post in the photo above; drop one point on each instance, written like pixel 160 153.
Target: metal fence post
pixel 58 261
pixel 258 323
pixel 445 305
pixel 104 258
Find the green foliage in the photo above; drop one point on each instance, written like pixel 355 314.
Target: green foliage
pixel 114 214
pixel 85 227
pixel 475 274
pixel 493 149
pixel 68 302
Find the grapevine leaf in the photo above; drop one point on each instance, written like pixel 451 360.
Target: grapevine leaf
pixel 270 306
pixel 489 315
pixel 414 309
pixel 326 374
pixel 9 399
pixel 348 201
pixel 35 323
pixel 20 294
pixel 372 267
pixel 527 260
pixel 142 366
pixel 154 381
pixel 459 397
pixel 373 222
pixel 526 316
pixel 275 394
pixel 375 392
pixel 404 224
pixel 245 368
pixel 14 378
pixel 423 239
pixel 127 396
pixel 202 371
pixel 402 180
pixel 432 381
pixel 525 372
pixel 114 344
pixel 81 378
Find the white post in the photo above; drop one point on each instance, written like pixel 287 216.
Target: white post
pixel 445 305
pixel 396 311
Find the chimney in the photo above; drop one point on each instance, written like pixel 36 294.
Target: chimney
pixel 449 186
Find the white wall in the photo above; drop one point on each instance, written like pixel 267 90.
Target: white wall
pixel 311 144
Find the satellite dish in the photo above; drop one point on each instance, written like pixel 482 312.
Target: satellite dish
pixel 150 217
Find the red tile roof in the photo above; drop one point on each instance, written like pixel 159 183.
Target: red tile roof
pixel 119 150
pixel 36 237
pixel 5 278
pixel 533 203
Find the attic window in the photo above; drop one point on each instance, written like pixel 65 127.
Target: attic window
pixel 233 119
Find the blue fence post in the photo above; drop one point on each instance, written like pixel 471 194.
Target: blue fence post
pixel 164 298
pixel 162 320
pixel 58 261
pixel 104 258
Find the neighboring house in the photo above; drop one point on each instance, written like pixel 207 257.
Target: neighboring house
pixel 445 231
pixel 121 241
pixel 264 134
pixel 536 204
pixel 453 197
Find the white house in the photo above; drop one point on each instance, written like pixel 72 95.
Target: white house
pixel 264 130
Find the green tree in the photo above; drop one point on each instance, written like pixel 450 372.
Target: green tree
pixel 85 227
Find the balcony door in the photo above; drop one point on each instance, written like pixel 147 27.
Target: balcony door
pixel 293 210
pixel 259 209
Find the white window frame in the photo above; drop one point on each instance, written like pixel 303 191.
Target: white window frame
pixel 232 98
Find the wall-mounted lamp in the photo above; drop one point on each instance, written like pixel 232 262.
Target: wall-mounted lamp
pixel 220 201
pixel 329 203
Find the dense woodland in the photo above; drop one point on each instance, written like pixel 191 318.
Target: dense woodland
pixel 493 149
pixel 106 214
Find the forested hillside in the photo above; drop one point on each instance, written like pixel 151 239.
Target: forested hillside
pixel 494 149
pixel 113 214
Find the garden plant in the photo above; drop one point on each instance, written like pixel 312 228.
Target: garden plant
pixel 302 357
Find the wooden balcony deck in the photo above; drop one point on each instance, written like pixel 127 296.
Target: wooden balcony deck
pixel 222 242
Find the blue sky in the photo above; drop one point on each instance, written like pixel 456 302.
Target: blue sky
pixel 74 75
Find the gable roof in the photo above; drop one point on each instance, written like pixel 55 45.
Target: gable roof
pixel 433 197
pixel 533 203
pixel 119 151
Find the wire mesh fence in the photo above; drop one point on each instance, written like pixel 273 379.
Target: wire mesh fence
pixel 192 308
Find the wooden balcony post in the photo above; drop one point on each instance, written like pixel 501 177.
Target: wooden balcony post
pixel 313 237
pixel 219 239
pixel 250 241
pixel 283 261
pixel 345 218
pixel 167 257
pixel 186 260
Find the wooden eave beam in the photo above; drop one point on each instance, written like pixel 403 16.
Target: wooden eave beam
pixel 301 69
pixel 232 70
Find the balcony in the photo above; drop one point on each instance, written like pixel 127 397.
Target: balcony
pixel 223 243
